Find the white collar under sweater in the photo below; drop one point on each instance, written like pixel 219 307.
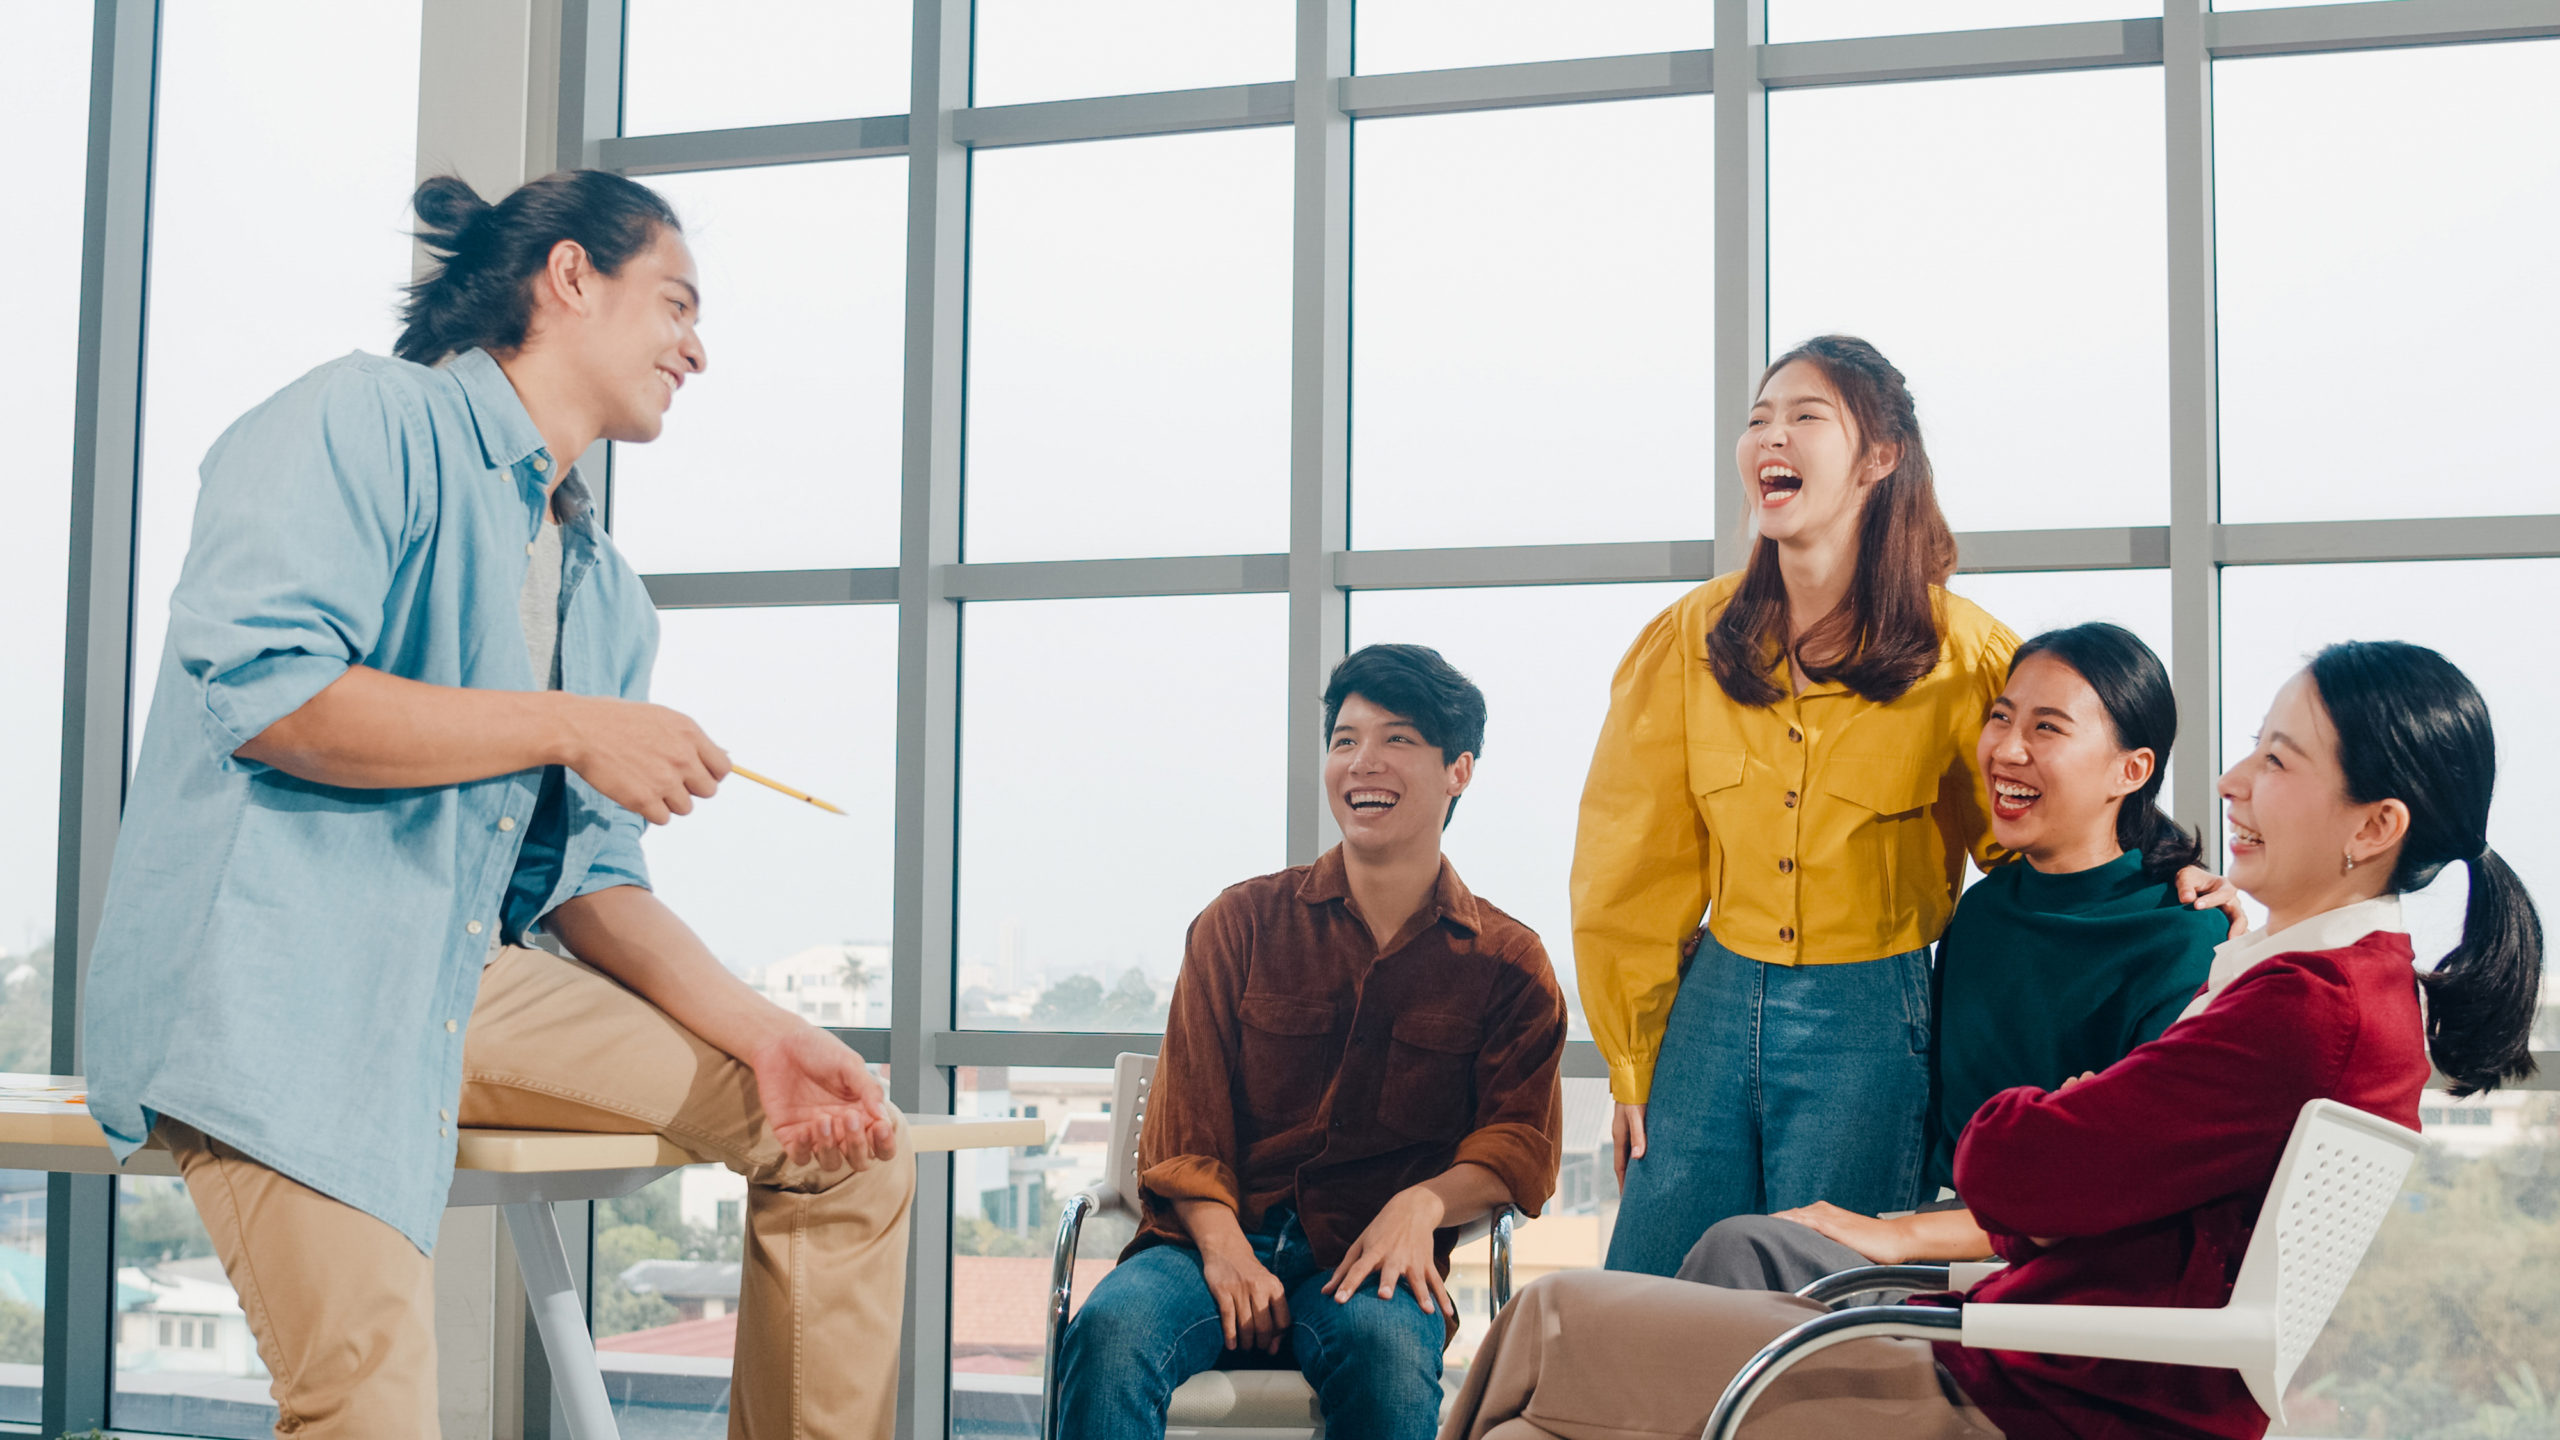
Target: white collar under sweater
pixel 2328 930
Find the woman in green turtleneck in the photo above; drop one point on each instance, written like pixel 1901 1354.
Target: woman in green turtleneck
pixel 2052 967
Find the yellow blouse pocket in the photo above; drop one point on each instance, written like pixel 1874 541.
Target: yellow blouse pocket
pixel 1715 779
pixel 1892 787
pixel 1883 822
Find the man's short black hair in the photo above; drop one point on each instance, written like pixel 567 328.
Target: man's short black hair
pixel 1412 681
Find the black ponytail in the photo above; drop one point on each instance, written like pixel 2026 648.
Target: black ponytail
pixel 2411 727
pixel 2133 686
pixel 482 292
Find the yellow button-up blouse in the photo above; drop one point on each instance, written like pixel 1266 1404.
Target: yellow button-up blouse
pixel 1822 830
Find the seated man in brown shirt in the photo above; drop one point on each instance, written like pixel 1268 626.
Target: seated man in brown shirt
pixel 1361 1057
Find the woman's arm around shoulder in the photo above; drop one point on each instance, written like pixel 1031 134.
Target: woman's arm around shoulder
pixel 2200 1113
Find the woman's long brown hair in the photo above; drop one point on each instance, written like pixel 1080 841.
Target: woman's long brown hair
pixel 1884 636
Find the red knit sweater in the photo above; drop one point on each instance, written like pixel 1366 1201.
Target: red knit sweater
pixel 2149 1178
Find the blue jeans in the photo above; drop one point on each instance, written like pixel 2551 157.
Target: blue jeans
pixel 1778 1086
pixel 1152 1324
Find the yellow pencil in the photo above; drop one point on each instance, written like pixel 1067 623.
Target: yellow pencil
pixel 771 784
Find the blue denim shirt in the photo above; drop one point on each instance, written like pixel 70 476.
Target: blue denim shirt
pixel 285 965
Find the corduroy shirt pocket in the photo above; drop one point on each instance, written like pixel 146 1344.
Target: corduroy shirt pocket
pixel 1430 1081
pixel 1290 1053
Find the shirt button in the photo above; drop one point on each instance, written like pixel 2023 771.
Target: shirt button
pixel 1787 933
pixel 1791 799
pixel 540 463
pixel 528 547
pixel 506 822
pixel 444 1114
pixel 1795 734
pixel 441 1131
pixel 1787 865
pixel 472 929
pixel 450 1027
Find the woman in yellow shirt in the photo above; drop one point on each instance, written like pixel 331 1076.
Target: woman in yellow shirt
pixel 1789 752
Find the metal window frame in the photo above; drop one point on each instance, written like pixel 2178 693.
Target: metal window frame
pixel 931 583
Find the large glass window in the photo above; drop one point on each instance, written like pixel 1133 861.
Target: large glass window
pixel 236 316
pixel 1398 35
pixel 2002 242
pixel 768 63
pixel 44 95
pixel 2383 267
pixel 44 100
pixel 1543 656
pixel 1530 289
pixel 783 453
pixel 1129 348
pixel 776 887
pixel 2033 601
pixel 1121 763
pixel 1060 49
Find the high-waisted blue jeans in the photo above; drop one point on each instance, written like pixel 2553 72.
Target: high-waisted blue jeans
pixel 1778 1086
pixel 1152 1324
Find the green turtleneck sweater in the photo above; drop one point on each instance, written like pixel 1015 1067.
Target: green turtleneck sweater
pixel 2041 977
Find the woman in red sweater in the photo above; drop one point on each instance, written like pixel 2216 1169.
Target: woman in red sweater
pixel 2138 1185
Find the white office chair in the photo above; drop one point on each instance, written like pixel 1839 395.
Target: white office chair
pixel 2341 1171
pixel 1217 1404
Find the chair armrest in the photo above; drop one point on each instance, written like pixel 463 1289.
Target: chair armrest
pixel 1498 1224
pixel 1859 1279
pixel 1062 1280
pixel 2226 1339
pixel 1965 1274
pixel 1913 1322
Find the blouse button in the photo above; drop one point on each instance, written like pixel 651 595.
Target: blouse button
pixel 1791 799
pixel 1787 933
pixel 1787 865
pixel 1795 734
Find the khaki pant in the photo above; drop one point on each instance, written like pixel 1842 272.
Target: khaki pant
pixel 343 1306
pixel 1602 1355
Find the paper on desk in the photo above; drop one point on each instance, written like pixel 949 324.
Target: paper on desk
pixel 42 1094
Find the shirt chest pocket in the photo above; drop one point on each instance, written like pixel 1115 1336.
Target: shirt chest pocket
pixel 1288 1052
pixel 1877 800
pixel 1430 1084
pixel 1715 779
pixel 1887 787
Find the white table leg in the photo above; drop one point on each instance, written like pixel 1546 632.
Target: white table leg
pixel 562 1321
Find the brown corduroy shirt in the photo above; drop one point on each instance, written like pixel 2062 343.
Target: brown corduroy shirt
pixel 1305 1065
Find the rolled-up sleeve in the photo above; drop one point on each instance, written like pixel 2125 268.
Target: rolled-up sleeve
pixel 300 525
pixel 1519 1123
pixel 1188 1150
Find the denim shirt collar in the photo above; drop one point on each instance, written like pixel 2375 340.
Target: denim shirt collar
pixel 509 440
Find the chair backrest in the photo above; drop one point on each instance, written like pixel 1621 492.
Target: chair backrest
pixel 1130 1077
pixel 2340 1174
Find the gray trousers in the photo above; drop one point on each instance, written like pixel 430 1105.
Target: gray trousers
pixel 1763 1252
